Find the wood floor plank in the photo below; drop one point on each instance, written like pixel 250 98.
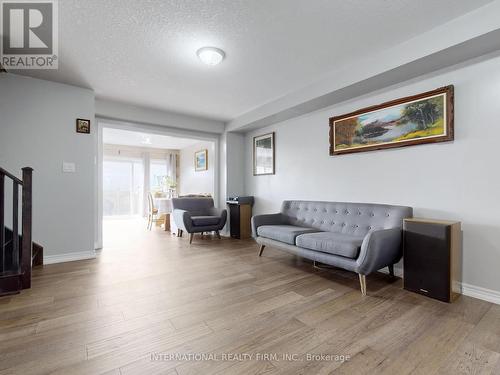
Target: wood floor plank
pixel 487 332
pixel 470 358
pixel 120 356
pixel 364 362
pixel 151 292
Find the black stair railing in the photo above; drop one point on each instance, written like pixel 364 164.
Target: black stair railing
pixel 16 245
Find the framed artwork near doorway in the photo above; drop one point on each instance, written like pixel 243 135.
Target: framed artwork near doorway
pixel 263 155
pixel 82 126
pixel 201 160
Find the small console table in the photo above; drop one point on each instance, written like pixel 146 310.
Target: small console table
pixel 240 215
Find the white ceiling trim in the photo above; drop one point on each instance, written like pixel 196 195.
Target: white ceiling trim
pixel 145 140
pixel 109 109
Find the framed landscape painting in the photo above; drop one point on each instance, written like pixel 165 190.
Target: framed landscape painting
pixel 263 154
pixel 201 160
pixel 423 118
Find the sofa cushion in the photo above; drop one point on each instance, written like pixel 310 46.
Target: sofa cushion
pixel 355 219
pixel 203 221
pixel 283 233
pixel 332 243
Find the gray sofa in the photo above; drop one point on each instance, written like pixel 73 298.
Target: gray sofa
pixel 197 215
pixel 358 237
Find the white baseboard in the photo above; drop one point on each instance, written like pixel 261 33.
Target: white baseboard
pixel 485 294
pixel 69 257
pixel 478 292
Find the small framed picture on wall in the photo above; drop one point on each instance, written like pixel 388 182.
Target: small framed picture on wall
pixel 201 160
pixel 82 126
pixel 263 155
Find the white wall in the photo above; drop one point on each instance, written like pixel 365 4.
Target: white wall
pixel 457 181
pixel 232 169
pixel 235 164
pixel 128 112
pixel 37 129
pixel 191 181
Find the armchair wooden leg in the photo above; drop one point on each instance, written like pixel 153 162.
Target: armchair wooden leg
pixel 217 234
pixel 362 283
pixel 261 249
pixel 191 235
pixel 391 269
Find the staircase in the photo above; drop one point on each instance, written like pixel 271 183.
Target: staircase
pixel 18 253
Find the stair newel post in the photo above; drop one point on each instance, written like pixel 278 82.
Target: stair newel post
pixel 27 211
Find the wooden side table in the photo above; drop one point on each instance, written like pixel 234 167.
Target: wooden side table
pixel 432 258
pixel 240 215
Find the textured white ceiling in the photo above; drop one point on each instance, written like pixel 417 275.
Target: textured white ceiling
pixel 138 139
pixel 143 51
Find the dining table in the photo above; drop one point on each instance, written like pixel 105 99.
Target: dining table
pixel 164 206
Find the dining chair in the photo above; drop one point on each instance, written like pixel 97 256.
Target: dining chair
pixel 152 211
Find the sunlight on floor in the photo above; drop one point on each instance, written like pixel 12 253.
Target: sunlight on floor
pixel 129 236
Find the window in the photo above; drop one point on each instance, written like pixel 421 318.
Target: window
pixel 158 175
pixel 123 187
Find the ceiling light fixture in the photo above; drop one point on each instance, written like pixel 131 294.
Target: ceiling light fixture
pixel 146 140
pixel 210 55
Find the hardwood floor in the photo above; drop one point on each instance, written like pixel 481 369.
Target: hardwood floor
pixel 150 298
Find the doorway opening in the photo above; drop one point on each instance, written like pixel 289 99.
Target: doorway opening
pixel 141 171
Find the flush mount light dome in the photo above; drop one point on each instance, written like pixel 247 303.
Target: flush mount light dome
pixel 210 55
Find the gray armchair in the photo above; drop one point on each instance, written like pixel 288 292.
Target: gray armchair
pixel 197 215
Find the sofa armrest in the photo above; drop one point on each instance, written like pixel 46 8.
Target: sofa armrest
pixel 380 248
pixel 182 219
pixel 221 213
pixel 223 218
pixel 269 219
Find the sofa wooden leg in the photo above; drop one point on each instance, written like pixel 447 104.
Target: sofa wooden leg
pixel 261 249
pixel 191 235
pixel 391 269
pixel 322 266
pixel 217 234
pixel 362 283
